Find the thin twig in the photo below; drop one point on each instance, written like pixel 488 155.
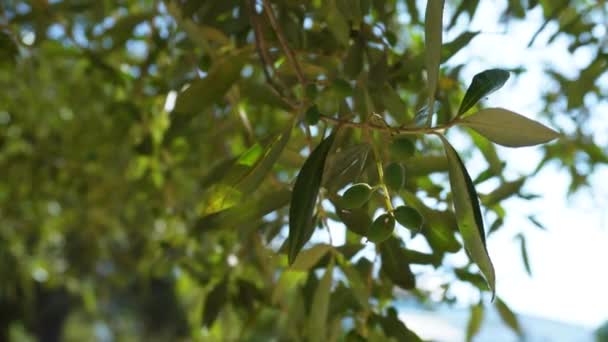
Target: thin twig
pixel 290 55
pixel 260 45
pixel 394 130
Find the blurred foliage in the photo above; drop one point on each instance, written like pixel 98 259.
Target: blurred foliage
pixel 148 152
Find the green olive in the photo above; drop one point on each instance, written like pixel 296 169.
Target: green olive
pixel 356 196
pixel 402 148
pixel 394 176
pixel 382 228
pixel 408 217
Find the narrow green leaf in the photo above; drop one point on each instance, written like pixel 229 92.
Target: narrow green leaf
pixel 394 104
pixel 433 27
pixel 345 165
pixel 203 92
pixel 451 48
pixel 309 257
pixel 507 128
pixel 395 264
pixel 394 327
pixel 304 198
pixel 216 298
pixel 336 23
pixel 524 253
pixel 468 214
pixel 250 210
pixel 475 320
pixel 320 306
pixel 483 84
pixel 256 174
pixel 508 316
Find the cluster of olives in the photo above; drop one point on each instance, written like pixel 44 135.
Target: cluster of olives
pixel 359 194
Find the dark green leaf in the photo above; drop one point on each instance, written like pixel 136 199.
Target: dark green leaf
pixel 313 115
pixel 396 265
pixel 468 214
pixel 304 198
pixel 216 298
pixel 483 84
pixel 394 327
pixel 524 253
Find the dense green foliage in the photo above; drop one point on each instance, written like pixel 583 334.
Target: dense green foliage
pixel 174 170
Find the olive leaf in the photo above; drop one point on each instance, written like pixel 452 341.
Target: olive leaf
pixel 320 306
pixel 524 253
pixel 308 258
pixel 483 84
pixel 468 214
pixel 304 198
pixel 215 302
pixel 256 174
pixel 507 128
pixel 475 320
pixel 395 264
pixel 433 28
pixel 203 92
pixel 508 316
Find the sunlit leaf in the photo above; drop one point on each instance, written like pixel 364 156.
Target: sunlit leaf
pixel 509 129
pixel 304 198
pixel 468 214
pixel 256 174
pixel 252 209
pixel 483 84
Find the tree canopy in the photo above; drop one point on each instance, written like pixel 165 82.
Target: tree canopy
pixel 255 170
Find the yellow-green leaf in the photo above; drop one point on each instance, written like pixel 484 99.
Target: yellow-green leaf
pixel 475 321
pixel 304 198
pixel 203 92
pixel 433 27
pixel 508 316
pixel 468 214
pixel 507 128
pixel 309 257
